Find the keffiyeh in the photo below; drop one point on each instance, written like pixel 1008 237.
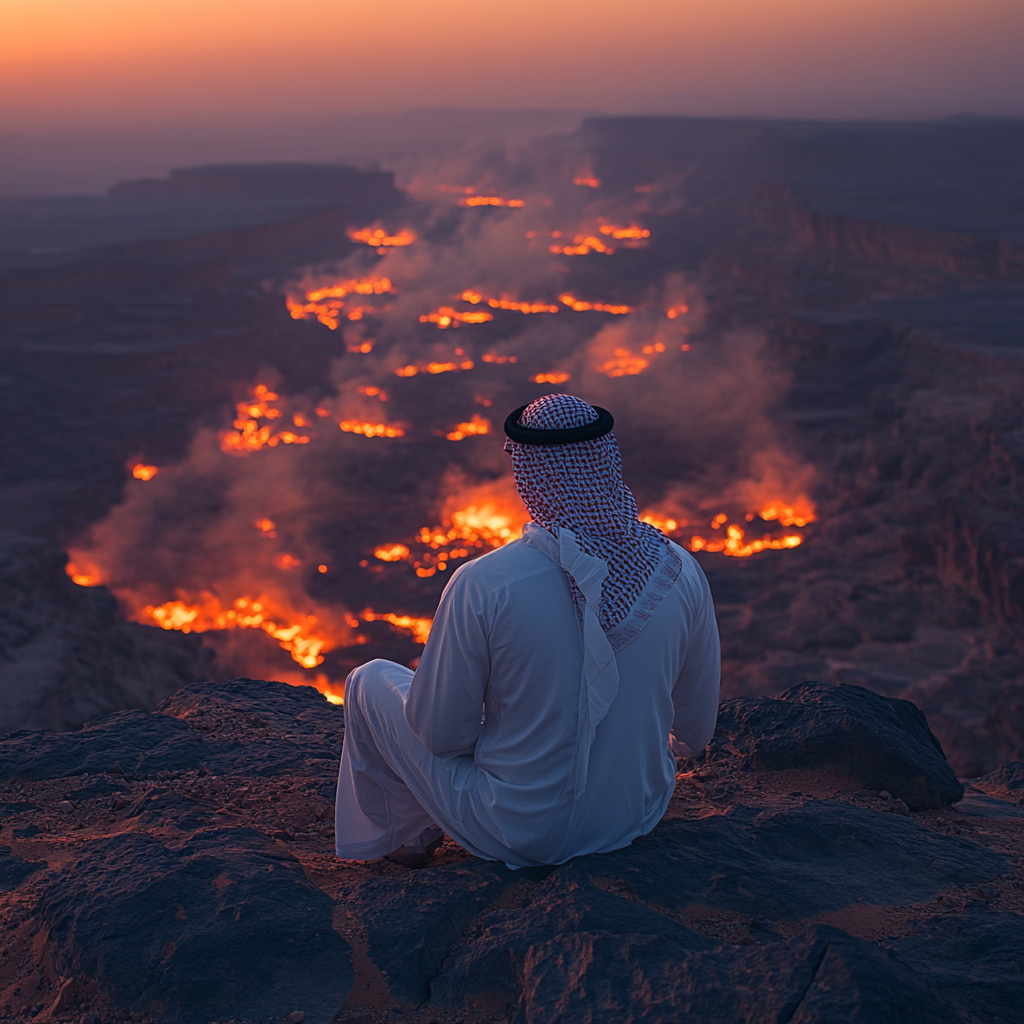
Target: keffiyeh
pixel 579 486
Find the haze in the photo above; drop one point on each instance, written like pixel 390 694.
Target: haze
pixel 194 60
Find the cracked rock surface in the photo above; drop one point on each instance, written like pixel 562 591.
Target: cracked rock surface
pixel 178 866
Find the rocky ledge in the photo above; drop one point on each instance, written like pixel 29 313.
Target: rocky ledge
pixel 820 862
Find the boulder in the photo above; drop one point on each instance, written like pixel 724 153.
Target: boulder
pixel 878 742
pixel 1006 782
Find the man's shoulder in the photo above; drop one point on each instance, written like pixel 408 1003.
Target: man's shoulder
pixel 504 567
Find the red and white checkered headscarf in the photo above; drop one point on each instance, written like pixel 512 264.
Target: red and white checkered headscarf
pixel 580 486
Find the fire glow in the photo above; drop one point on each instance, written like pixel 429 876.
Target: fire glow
pixel 617 309
pixel 435 367
pixel 475 426
pixel 380 240
pixel 491 201
pixel 249 435
pixel 327 304
pixel 447 317
pixel 143 472
pixel 302 639
pixel 582 245
pixel 371 429
pixel 474 298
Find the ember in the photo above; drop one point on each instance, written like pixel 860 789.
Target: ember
pixel 143 472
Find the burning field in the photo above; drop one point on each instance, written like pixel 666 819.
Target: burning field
pixel 315 529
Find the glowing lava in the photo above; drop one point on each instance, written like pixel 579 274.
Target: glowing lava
pixel 380 239
pixel 371 429
pixel 673 311
pixel 582 245
pixel 391 552
pixel 632 232
pixel 301 639
pixel 448 317
pixel 436 367
pixel 587 180
pixel 419 629
pixel 505 303
pixel 475 426
pixel 143 472
pixel 249 435
pixel 491 201
pixel 555 377
pixel 618 309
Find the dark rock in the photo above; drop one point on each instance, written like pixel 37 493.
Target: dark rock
pixel 68 655
pixel 17 807
pixel 1007 782
pixel 973 960
pixel 100 788
pixel 222 925
pixel 412 925
pixel 14 869
pixel 178 737
pixel 27 832
pixel 878 742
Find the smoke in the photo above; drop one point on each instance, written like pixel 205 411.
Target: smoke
pixel 366 493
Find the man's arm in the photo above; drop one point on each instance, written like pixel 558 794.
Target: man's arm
pixel 444 704
pixel 695 694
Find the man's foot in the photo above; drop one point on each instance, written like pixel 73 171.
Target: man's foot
pixel 416 853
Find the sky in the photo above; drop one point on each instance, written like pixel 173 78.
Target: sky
pixel 74 62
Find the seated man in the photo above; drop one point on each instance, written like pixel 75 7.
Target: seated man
pixel 561 673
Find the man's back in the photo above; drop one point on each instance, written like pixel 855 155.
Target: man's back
pixel 506 646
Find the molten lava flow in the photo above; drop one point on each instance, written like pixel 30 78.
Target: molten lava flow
pixel 505 303
pixel 84 576
pixel 249 435
pixel 555 377
pixel 326 305
pixel 438 367
pixel 675 311
pixel 391 552
pixel 733 542
pixel 476 425
pixel 491 357
pixel 587 180
pixel 380 239
pixel 301 639
pixel 623 233
pixel 602 307
pixel 491 201
pixel 582 245
pixel 371 429
pixel 448 317
pixel 143 472
pixel 365 347
pixel 418 628
pixel 372 391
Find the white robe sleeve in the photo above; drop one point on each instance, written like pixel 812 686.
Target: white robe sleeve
pixel 695 694
pixel 446 697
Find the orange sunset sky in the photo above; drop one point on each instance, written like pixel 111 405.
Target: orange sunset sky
pixel 190 60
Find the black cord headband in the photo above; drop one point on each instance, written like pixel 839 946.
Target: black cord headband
pixel 563 435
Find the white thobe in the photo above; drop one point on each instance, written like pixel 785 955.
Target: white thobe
pixel 522 733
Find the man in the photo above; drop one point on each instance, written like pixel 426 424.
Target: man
pixel 561 673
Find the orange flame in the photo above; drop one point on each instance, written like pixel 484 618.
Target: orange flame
pixel 505 303
pixel 391 552
pixel 380 239
pixel 476 425
pixel 452 367
pixel 788 515
pixel 372 391
pixel 603 307
pixel 371 429
pixel 448 317
pixel 304 642
pixel 248 435
pixel 85 577
pixel 326 305
pixel 555 377
pixel 582 244
pixel 491 201
pixel 418 628
pixel 491 357
pixel 621 233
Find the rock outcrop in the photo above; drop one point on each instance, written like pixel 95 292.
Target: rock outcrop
pixel 66 655
pixel 178 866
